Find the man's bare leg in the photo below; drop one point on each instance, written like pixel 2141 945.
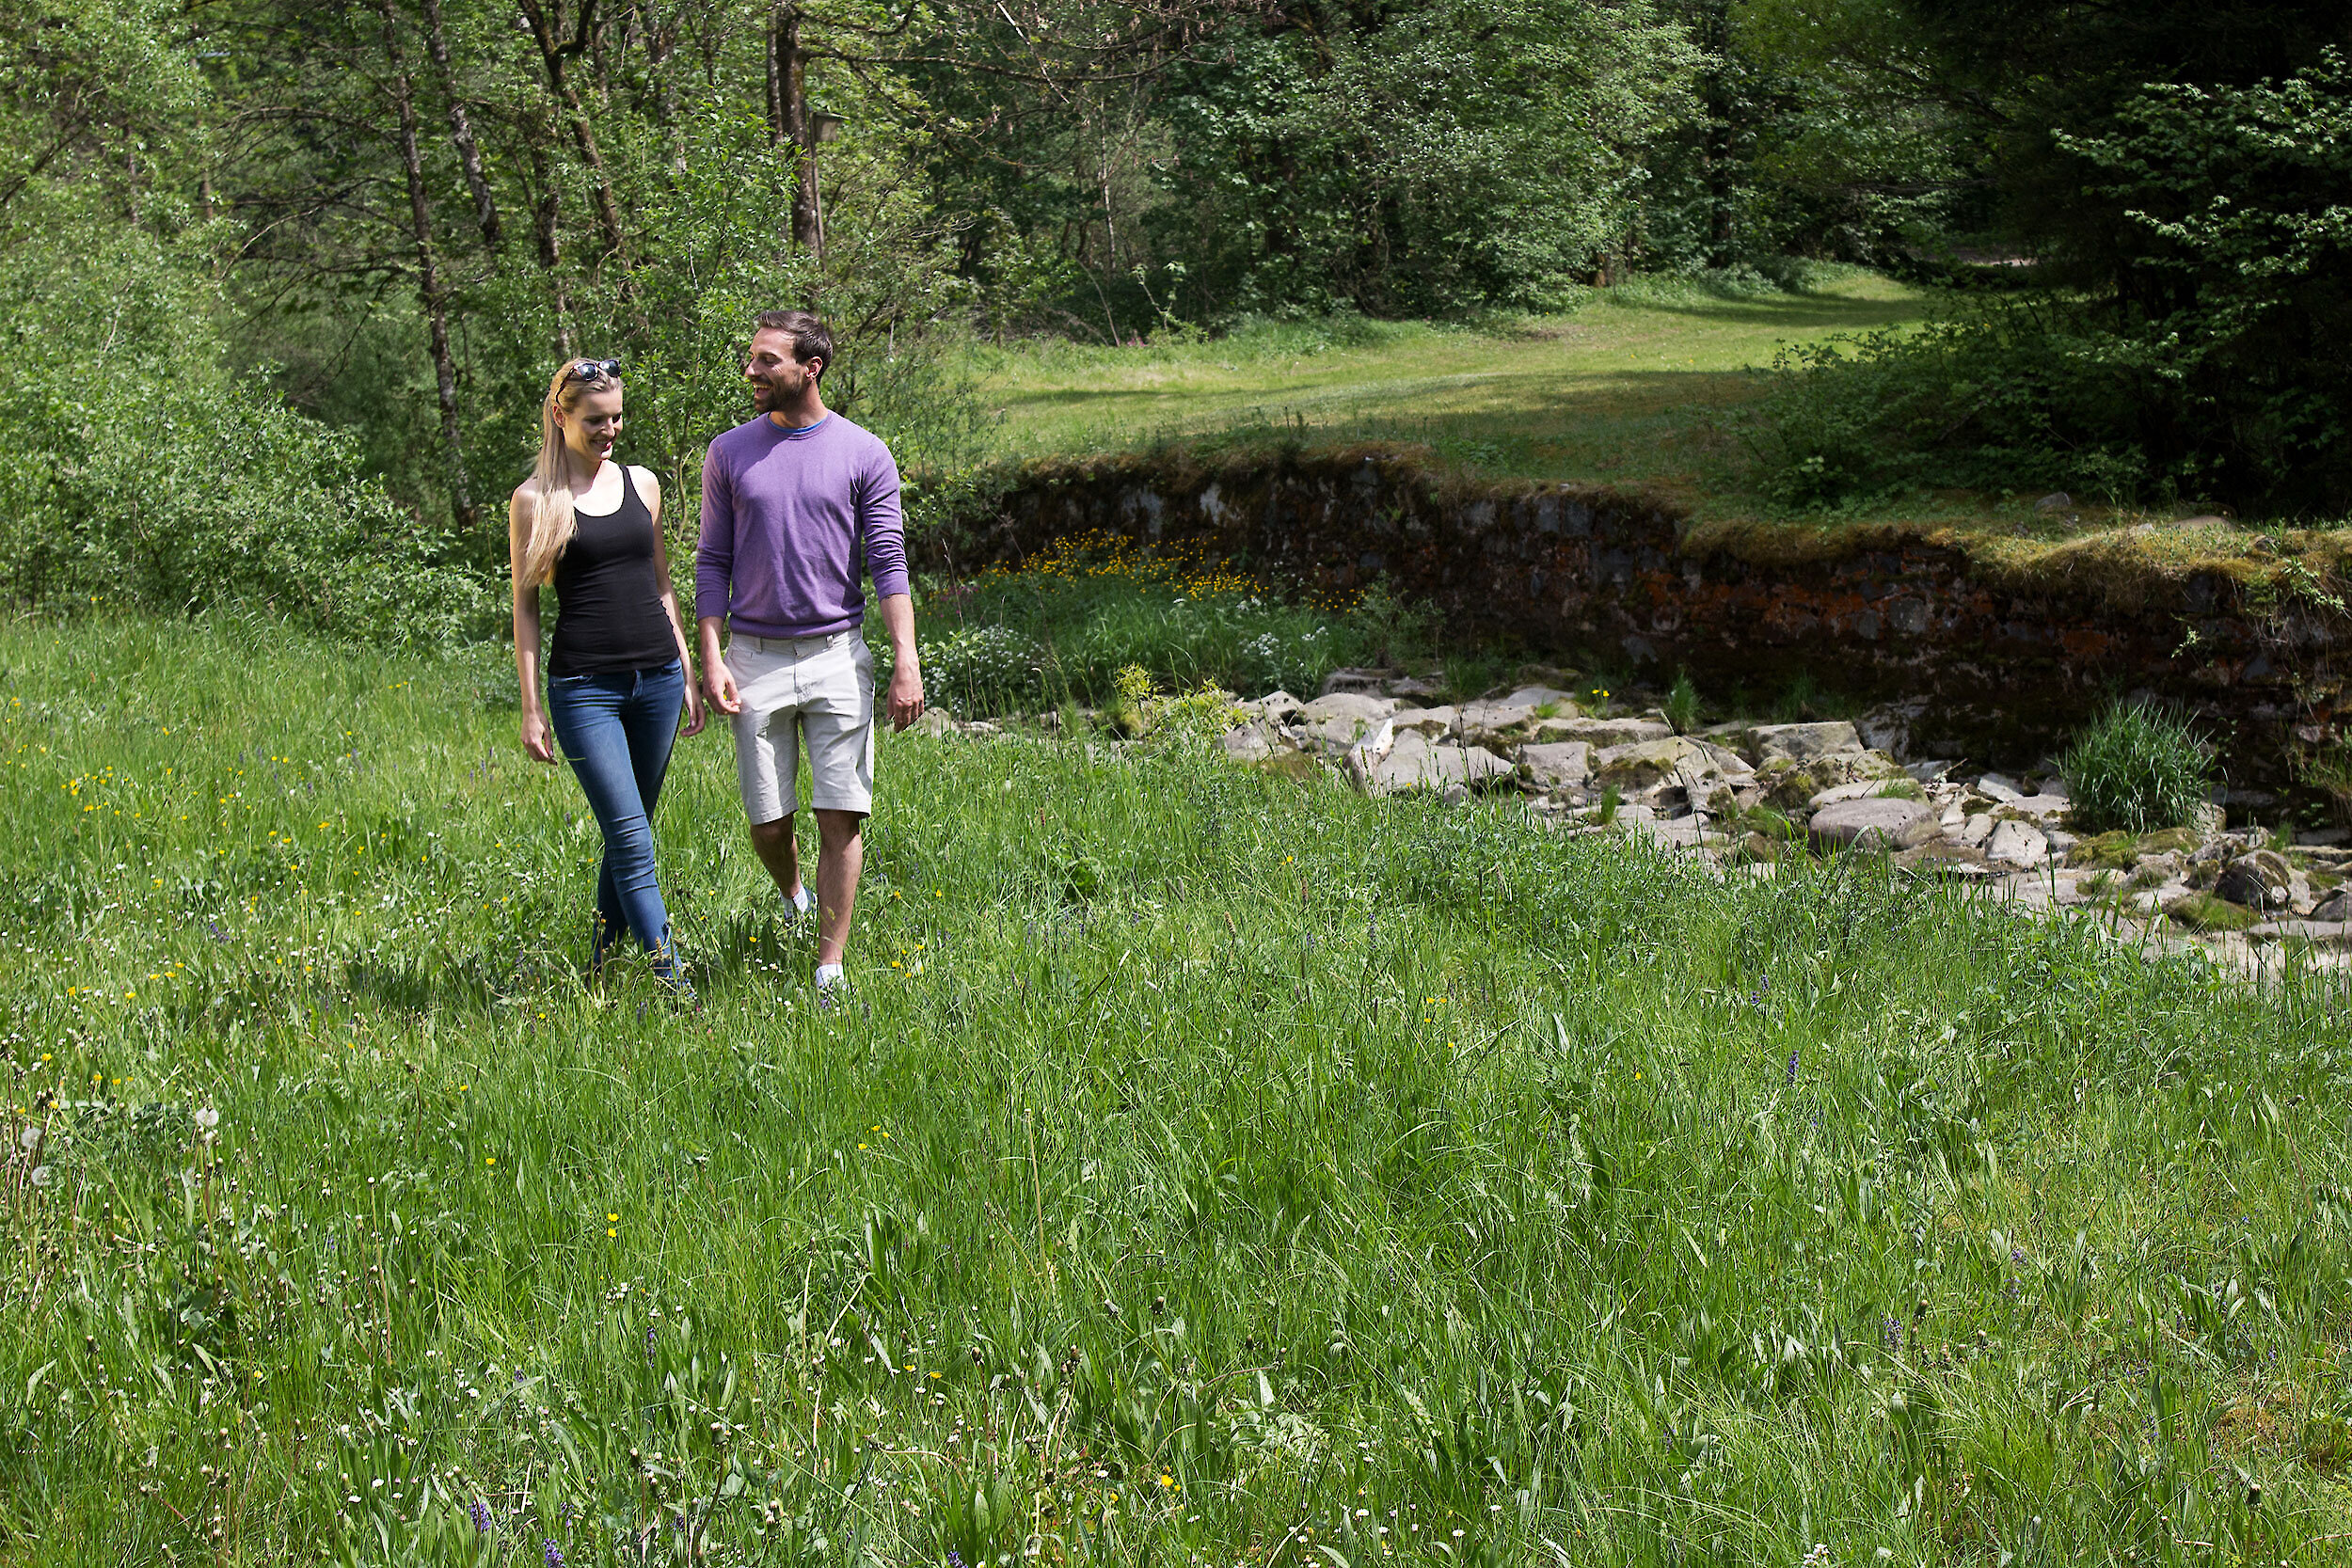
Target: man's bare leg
pixel 777 849
pixel 840 861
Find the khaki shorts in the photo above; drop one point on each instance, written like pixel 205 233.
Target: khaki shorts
pixel 823 686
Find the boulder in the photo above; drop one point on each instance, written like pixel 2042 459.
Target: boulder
pixel 1418 686
pixel 1275 707
pixel 1977 829
pixel 2260 880
pixel 1643 763
pixel 1430 720
pixel 933 722
pixel 1868 789
pixel 1249 743
pixel 1557 764
pixel 1944 857
pixel 1360 681
pixel 1344 721
pixel 1416 761
pixel 2019 844
pixel 1802 742
pixel 2336 905
pixel 1791 783
pixel 1494 718
pixel 1877 823
pixel 1601 734
pixel 1563 703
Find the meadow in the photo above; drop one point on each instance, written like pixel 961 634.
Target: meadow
pixel 1208 1167
pixel 1645 384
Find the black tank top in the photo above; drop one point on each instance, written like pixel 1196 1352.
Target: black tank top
pixel 607 595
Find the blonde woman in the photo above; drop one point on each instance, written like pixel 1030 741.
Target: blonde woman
pixel 619 669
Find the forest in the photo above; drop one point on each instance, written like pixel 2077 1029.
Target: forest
pixel 297 274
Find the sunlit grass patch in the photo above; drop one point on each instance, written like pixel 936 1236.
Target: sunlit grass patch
pixel 1207 1167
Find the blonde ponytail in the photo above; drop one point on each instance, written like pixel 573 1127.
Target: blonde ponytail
pixel 547 519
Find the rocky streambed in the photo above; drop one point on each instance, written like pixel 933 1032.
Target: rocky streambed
pixel 1749 795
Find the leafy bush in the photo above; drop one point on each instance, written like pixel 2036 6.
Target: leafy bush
pixel 142 474
pixel 2137 769
pixel 2217 369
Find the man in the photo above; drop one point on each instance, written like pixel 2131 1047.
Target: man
pixel 790 501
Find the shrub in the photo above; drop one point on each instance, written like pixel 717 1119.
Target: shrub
pixel 143 474
pixel 2137 769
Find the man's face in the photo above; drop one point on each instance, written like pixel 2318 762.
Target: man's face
pixel 776 378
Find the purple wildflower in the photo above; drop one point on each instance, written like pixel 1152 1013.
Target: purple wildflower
pixel 555 1556
pixel 955 1558
pixel 1792 1068
pixel 650 1341
pixel 481 1517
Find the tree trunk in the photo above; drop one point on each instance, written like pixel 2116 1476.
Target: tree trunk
pixel 787 68
pixel 429 291
pixel 461 129
pixel 545 214
pixel 554 53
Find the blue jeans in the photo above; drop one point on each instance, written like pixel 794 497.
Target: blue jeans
pixel 616 731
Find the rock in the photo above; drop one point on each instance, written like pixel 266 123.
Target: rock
pixel 1563 703
pixel 1928 772
pixel 1601 734
pixel 1873 824
pixel 1790 783
pixel 1977 829
pixel 2323 837
pixel 1942 857
pixel 933 722
pixel 1802 742
pixel 1363 681
pixel 1249 743
pixel 1643 763
pixel 2260 880
pixel 2336 905
pixel 2017 843
pixel 1995 787
pixel 1556 764
pixel 1867 789
pixel 2208 819
pixel 1681 832
pixel 1429 720
pixel 2060 840
pixel 1418 686
pixel 1344 721
pixel 1416 761
pixel 2057 501
pixel 1275 706
pixel 1494 718
pixel 2319 933
pixel 2202 911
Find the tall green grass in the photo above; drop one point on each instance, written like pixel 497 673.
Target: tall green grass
pixel 1207 1168
pixel 2137 767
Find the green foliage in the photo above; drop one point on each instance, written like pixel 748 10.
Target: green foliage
pixel 145 475
pixel 1192 1123
pixel 1682 703
pixel 2136 768
pixel 1069 626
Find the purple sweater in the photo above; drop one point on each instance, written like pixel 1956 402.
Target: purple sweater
pixel 783 516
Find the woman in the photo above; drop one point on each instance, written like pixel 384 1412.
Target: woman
pixel 619 669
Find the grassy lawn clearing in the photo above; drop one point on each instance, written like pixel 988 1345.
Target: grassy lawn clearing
pixel 1209 1168
pixel 1629 388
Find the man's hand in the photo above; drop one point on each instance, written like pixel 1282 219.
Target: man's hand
pixel 717 680
pixel 719 686
pixel 906 694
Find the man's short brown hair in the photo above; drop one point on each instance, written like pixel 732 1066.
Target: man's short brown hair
pixel 811 337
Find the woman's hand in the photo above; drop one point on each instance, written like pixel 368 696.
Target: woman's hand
pixel 695 711
pixel 538 737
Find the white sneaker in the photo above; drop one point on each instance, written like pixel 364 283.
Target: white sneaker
pixel 832 986
pixel 801 902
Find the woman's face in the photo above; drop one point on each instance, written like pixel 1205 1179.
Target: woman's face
pixel 593 423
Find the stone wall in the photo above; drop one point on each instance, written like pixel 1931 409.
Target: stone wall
pixel 2000 662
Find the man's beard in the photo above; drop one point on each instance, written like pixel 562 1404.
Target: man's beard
pixel 763 396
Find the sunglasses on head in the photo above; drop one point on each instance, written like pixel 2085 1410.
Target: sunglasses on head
pixel 595 370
